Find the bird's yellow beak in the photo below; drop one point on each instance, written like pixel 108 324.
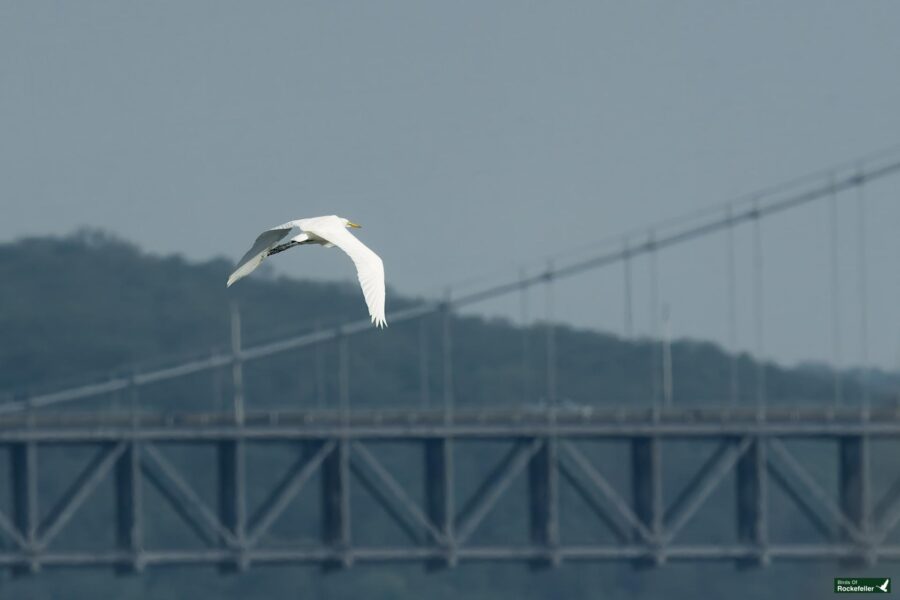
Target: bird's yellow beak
pixel 353 225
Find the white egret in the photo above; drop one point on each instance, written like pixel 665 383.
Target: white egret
pixel 325 231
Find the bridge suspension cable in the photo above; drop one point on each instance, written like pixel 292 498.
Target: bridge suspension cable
pixel 737 213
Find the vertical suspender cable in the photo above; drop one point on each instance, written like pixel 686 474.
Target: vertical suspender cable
pixel 134 399
pixel 523 310
pixel 551 341
pixel 237 370
pixel 319 358
pixel 758 297
pixel 668 382
pixel 344 375
pixel 655 338
pixel 218 386
pixel 425 396
pixel 835 294
pixel 861 235
pixel 732 314
pixel 447 322
pixel 626 271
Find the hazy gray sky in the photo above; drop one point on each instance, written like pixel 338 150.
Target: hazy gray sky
pixel 467 138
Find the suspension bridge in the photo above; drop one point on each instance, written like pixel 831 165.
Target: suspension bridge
pixel 128 460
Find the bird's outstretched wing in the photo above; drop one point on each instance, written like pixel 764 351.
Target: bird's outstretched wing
pixel 266 241
pixel 369 267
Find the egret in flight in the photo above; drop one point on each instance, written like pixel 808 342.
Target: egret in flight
pixel 328 232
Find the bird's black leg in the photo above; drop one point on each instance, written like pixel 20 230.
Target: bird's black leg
pixel 282 248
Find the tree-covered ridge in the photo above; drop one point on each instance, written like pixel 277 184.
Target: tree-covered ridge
pixel 82 307
pixel 89 304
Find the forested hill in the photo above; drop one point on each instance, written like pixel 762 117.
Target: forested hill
pixel 90 304
pixel 78 308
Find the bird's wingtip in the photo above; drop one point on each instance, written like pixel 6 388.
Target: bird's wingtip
pixel 233 278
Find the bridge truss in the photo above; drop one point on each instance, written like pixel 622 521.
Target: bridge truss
pixel 546 455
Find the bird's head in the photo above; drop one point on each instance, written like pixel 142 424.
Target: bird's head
pixel 349 223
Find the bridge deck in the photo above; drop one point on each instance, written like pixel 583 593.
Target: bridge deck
pixel 487 422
